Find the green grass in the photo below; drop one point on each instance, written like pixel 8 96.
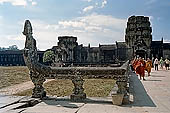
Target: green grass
pixel 17 74
pixel 13 75
pixel 93 88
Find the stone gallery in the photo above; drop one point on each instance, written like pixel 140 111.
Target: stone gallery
pixel 138 42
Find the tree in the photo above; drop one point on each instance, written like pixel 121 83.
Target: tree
pixel 13 47
pixel 48 57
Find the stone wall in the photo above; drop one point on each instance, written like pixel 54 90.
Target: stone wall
pixel 138 34
pixel 15 58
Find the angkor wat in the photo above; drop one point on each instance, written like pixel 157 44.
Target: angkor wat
pixel 138 42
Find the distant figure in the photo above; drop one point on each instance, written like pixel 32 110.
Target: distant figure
pixel 134 62
pixel 148 66
pixel 140 68
pixel 152 61
pixel 156 62
pixel 161 62
pixel 132 65
pixel 167 64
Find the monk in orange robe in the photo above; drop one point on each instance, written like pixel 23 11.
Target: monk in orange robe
pixel 140 68
pixel 148 66
pixel 134 62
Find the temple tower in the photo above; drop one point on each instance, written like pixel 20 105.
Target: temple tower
pixel 69 43
pixel 138 36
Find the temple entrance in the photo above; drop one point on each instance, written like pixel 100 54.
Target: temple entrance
pixel 141 53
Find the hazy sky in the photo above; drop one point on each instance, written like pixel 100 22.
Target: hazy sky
pixel 92 21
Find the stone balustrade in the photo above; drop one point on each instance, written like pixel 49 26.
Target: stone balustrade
pixel 40 72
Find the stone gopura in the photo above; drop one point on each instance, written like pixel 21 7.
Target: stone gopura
pixel 39 72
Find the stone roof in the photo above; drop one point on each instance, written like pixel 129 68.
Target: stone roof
pixel 121 45
pixel 11 52
pixel 166 45
pixel 95 49
pixel 156 43
pixel 108 47
pixel 7 52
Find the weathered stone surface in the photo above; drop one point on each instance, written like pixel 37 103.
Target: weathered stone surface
pixel 117 99
pixel 38 72
pixel 78 91
pixel 31 58
pixel 138 35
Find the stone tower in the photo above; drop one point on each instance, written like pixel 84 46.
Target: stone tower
pixel 69 43
pixel 138 36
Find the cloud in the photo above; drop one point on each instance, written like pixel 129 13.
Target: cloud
pixel 75 24
pixel 1 19
pixel 18 2
pixel 166 40
pixel 34 3
pixel 103 21
pixel 86 9
pixel 96 5
pixel 87 0
pixel 149 2
pixel 93 29
pixel 151 18
pixel 104 3
pixel 15 2
pixel 12 40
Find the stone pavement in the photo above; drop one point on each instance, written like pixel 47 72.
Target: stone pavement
pixel 19 87
pixel 150 96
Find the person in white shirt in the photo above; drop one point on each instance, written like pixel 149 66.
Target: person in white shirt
pixel 156 62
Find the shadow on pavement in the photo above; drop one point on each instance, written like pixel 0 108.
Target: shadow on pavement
pixel 157 76
pixel 153 80
pixel 66 102
pixel 140 96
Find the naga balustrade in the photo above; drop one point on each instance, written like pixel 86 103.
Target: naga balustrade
pixel 39 72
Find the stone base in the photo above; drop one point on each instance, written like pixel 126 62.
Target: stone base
pixel 39 95
pixel 126 99
pixel 117 99
pixel 79 97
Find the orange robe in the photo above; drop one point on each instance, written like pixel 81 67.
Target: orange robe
pixel 134 64
pixel 148 66
pixel 140 68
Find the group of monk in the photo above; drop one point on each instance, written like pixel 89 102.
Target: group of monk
pixel 140 65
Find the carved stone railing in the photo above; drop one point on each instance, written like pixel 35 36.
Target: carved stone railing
pixel 39 72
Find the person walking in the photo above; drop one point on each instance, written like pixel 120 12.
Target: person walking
pixel 148 66
pixel 161 62
pixel 140 68
pixel 156 62
pixel 167 64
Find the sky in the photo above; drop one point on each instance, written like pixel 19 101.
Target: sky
pixel 91 21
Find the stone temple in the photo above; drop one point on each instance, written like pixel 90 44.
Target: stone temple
pixel 68 51
pixel 138 42
pixel 139 38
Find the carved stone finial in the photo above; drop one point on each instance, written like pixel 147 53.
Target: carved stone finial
pixel 27 28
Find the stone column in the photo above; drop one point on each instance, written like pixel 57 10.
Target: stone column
pixel 122 89
pixel 78 91
pixel 38 90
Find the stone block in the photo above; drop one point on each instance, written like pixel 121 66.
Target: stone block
pixel 117 99
pixel 125 100
pixel 79 97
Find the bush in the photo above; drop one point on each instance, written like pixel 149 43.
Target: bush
pixel 48 57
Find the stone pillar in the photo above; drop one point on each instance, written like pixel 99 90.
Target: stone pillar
pixel 38 90
pixel 122 89
pixel 78 91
